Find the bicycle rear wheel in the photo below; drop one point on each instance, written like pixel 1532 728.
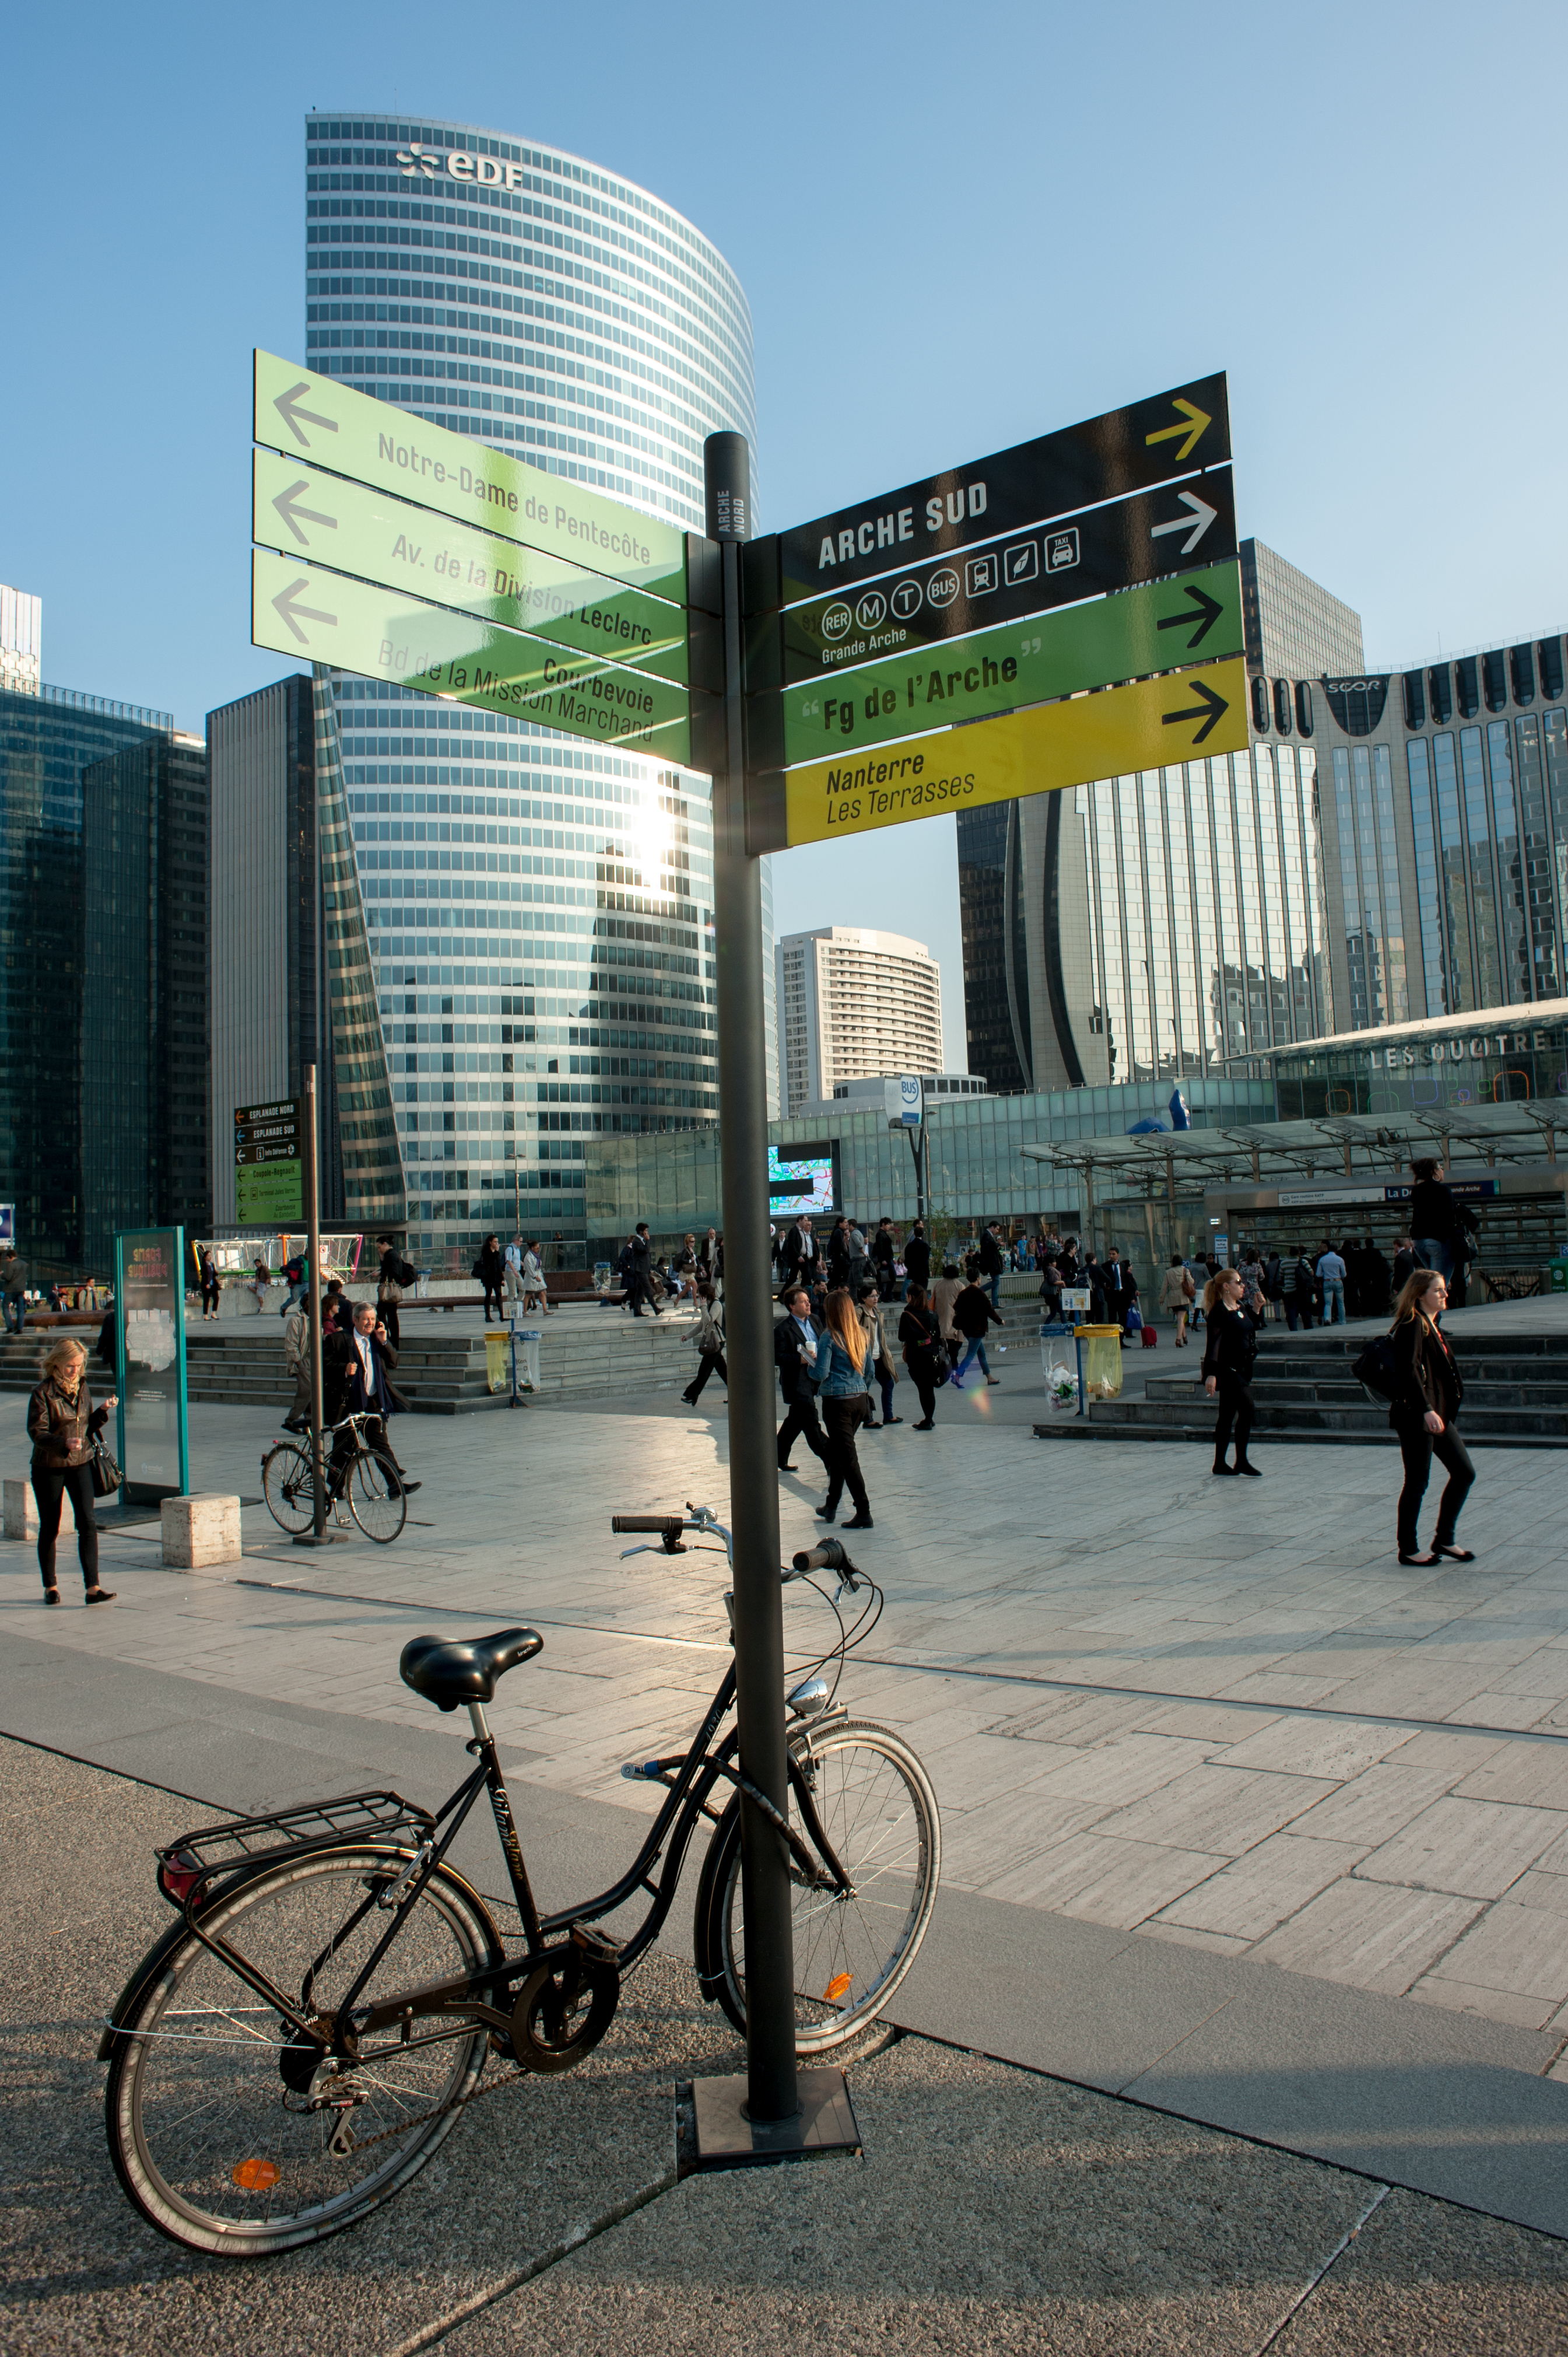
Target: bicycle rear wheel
pixel 876 1808
pixel 287 1488
pixel 376 1497
pixel 215 2145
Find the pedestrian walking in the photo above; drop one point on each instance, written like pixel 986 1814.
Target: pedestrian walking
pixel 1330 1274
pixel 1305 1289
pixel 1424 1413
pixel 535 1285
pixel 884 1260
pixel 868 1309
pixel 971 1314
pixel 795 1338
pixel 921 1337
pixel 1443 1229
pixel 295 1277
pixel 1176 1295
pixel 686 1269
pixel 709 1337
pixel 393 1274
pixel 1051 1292
pixel 841 1373
pixel 991 1261
pixel 944 1293
pixel 1228 1355
pixel 637 1271
pixel 489 1269
pixel 207 1269
pixel 296 1356
pixel 511 1277
pixel 710 1256
pixel 63 1425
pixel 918 1256
pixel 356 1368
pixel 13 1291
pixel 838 1253
pixel 799 1253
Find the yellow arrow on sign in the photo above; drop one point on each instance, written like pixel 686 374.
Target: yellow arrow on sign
pixel 1197 421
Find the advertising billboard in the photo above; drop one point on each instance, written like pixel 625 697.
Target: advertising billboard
pixel 801 1178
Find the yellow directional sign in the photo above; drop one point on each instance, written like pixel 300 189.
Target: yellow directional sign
pixel 1142 727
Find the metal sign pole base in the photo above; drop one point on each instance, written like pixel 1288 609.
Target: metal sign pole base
pixel 320 1538
pixel 726 2137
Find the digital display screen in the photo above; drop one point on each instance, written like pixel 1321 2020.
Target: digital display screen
pixel 800 1179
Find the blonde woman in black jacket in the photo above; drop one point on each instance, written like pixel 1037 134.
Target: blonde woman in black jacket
pixel 62 1425
pixel 1426 1400
pixel 1231 1345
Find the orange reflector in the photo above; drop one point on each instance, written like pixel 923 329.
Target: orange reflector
pixel 838 1987
pixel 255 2176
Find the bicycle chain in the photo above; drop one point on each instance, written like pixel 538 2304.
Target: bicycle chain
pixel 365 2143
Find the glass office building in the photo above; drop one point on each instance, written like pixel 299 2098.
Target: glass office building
pixel 539 913
pixel 48 738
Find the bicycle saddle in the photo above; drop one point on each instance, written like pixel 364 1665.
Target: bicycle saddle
pixel 447 1672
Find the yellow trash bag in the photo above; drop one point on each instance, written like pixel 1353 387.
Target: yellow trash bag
pixel 1102 1361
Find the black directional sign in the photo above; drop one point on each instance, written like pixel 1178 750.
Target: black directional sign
pixel 1078 557
pixel 1172 434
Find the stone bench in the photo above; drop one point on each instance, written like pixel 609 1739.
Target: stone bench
pixel 21 1510
pixel 200 1531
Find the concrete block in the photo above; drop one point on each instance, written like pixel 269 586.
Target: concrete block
pixel 200 1531
pixel 21 1510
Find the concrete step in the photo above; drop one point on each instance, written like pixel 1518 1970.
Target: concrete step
pixel 1146 1419
pixel 1090 1427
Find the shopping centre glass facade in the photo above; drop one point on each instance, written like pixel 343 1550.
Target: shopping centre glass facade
pixel 540 913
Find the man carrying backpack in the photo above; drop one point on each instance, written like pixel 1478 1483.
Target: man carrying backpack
pixel 296 1277
pixel 393 1278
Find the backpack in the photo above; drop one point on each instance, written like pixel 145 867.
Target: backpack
pixel 406 1273
pixel 1375 1370
pixel 294 1270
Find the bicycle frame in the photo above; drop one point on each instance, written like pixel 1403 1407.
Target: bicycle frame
pixel 551 1939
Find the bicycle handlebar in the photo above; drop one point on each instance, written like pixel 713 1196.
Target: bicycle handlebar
pixel 662 1525
pixel 827 1557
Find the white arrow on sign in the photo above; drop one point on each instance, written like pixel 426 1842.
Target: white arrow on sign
pixel 293 614
pixel 1195 524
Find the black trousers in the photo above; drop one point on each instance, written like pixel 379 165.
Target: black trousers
pixel 387 1312
pixel 713 1363
pixel 52 1484
pixel 1236 1408
pixel 843 1418
pixel 343 1450
pixel 925 1380
pixel 492 1293
pixel 802 1420
pixel 208 1296
pixel 1418 1447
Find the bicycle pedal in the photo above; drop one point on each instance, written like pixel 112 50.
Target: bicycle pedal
pixel 595 1943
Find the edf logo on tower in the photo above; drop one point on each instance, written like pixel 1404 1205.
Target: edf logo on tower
pixel 872 532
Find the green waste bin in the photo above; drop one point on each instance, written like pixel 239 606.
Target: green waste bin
pixel 497 1363
pixel 1100 1349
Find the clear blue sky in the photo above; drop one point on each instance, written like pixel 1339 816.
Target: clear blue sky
pixel 958 227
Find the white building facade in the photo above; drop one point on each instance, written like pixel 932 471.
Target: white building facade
pixel 853 1005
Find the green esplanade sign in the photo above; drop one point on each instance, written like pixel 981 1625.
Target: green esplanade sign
pixel 314 417
pixel 332 521
pixel 327 618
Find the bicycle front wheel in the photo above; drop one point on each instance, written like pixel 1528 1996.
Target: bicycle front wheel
pixel 376 1497
pixel 220 2131
pixel 876 1808
pixel 286 1486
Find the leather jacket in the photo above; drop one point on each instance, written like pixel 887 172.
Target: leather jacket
pixel 62 1429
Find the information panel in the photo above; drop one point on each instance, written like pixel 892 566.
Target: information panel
pixel 149 1296
pixel 269 1168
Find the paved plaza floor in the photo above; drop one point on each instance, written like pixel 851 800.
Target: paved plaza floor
pixel 1239 1815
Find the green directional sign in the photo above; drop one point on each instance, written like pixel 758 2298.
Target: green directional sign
pixel 314 417
pixel 332 521
pixel 320 617
pixel 1034 661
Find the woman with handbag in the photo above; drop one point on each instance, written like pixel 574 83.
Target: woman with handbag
pixel 869 1311
pixel 923 1353
pixel 1228 1357
pixel 709 1339
pixel 63 1426
pixel 842 1374
pixel 1177 1293
pixel 1423 1412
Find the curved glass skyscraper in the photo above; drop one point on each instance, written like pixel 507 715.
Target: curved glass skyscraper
pixel 540 304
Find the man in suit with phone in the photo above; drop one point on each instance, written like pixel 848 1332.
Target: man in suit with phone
pixel 794 1354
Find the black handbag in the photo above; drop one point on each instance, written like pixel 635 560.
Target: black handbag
pixel 107 1476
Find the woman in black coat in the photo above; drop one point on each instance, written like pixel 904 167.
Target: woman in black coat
pixel 924 1354
pixel 490 1270
pixel 1427 1395
pixel 1229 1348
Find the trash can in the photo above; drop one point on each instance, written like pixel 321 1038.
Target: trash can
pixel 1059 1367
pixel 1100 1360
pixel 498 1359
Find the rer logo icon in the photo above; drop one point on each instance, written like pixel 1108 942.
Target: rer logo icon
pixel 836 621
pixel 942 586
pixel 905 600
pixel 1061 550
pixel 981 575
pixel 871 611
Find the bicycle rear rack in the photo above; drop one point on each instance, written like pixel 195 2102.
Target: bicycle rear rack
pixel 212 1851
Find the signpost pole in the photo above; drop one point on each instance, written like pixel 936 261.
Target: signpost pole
pixel 771 2098
pixel 313 1253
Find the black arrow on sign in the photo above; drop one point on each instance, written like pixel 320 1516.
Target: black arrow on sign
pixel 1209 711
pixel 1205 613
pixel 292 515
pixel 288 409
pixel 285 603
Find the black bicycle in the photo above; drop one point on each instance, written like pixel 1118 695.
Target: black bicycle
pixel 304 2038
pixel 363 1482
